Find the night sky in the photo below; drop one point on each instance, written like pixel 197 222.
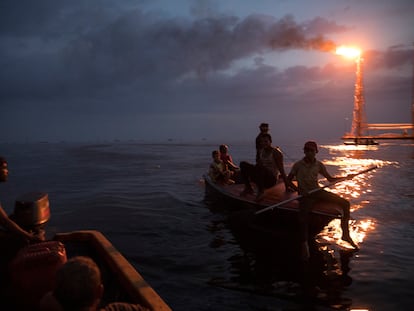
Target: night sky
pixel 99 70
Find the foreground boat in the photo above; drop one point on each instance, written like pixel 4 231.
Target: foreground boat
pixel 285 216
pixel 31 272
pixel 123 281
pixel 27 272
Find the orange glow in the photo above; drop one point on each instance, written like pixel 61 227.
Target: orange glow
pixel 351 160
pixel 358 230
pixel 349 52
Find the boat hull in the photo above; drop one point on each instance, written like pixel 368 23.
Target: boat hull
pixel 364 141
pixel 122 282
pixel 274 221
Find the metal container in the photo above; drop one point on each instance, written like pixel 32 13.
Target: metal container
pixel 32 209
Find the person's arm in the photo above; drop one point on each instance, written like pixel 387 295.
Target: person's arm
pixel 10 225
pixel 231 163
pixel 278 156
pixel 324 172
pixel 289 179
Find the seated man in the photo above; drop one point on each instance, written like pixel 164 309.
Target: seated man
pixel 306 172
pixel 218 171
pixel 265 174
pixel 79 287
pixel 227 159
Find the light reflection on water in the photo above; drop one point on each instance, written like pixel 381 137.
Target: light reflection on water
pixel 351 160
pixel 332 233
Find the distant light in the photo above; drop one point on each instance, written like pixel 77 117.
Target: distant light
pixel 349 52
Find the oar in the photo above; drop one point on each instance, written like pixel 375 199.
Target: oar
pixel 271 207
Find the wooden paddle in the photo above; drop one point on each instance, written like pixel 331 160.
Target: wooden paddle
pixel 271 207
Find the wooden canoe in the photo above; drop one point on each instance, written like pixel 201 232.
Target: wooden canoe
pixel 228 197
pixel 124 279
pixel 122 282
pixel 232 194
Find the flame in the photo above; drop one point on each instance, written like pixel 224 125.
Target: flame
pixel 349 52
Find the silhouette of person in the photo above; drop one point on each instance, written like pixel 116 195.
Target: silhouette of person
pixel 306 172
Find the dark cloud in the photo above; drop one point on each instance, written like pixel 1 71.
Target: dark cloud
pixel 136 46
pixel 28 18
pixel 320 25
pixel 394 57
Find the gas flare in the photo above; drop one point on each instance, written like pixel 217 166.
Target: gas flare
pixel 350 52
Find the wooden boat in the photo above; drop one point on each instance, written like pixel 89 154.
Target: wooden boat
pixel 273 221
pixel 231 194
pixel 27 271
pixel 122 282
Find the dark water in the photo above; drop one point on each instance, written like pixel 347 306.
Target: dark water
pixel 149 200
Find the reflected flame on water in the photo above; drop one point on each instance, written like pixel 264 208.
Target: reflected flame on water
pixel 332 233
pixel 350 159
pixel 353 188
pixel 351 147
pixel 360 205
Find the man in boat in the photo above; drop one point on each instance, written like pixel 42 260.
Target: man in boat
pixel 306 172
pixel 78 287
pixel 227 158
pixel 264 130
pixel 228 161
pixel 218 171
pixel 5 221
pixel 267 171
pixel 12 236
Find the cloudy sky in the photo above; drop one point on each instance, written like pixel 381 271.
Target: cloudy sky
pixel 154 70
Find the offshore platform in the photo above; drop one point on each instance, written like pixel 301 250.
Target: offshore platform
pixel 360 130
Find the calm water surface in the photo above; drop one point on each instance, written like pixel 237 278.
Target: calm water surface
pixel 149 200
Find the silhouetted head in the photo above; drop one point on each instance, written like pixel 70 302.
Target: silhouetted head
pixel 223 148
pixel 264 127
pixel 78 284
pixel 310 146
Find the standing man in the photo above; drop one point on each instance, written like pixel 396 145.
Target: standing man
pixel 306 172
pixel 264 130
